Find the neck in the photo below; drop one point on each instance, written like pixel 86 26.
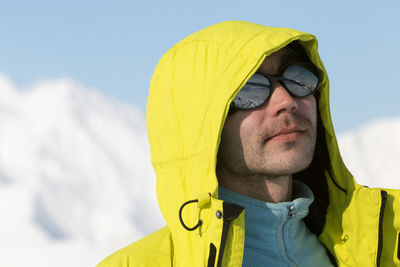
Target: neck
pixel 262 187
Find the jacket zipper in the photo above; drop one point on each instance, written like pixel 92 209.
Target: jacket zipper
pixel 231 212
pixel 380 233
pixel 225 229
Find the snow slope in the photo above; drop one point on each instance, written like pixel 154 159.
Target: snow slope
pixel 371 153
pixel 76 181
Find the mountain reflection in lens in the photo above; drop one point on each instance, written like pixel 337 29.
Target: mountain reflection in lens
pixel 253 93
pixel 300 80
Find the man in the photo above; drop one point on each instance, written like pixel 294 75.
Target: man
pixel 248 168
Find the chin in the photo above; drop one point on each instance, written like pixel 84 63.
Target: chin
pixel 289 164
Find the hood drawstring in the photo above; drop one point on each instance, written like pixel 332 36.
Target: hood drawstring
pixel 200 222
pixel 202 200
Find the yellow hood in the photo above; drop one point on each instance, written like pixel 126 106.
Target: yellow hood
pixel 189 98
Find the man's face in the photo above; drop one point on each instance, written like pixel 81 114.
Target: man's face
pixel 275 139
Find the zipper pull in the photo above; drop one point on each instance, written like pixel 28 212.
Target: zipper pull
pixel 291 212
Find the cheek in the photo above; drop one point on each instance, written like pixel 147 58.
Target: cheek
pixel 249 126
pixel 253 119
pixel 308 108
pixel 230 133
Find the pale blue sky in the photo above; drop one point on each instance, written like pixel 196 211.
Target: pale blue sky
pixel 114 46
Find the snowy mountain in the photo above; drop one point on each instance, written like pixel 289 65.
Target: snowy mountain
pixel 75 175
pixel 370 152
pixel 76 182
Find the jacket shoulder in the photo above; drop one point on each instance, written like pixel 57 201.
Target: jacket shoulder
pixel 153 250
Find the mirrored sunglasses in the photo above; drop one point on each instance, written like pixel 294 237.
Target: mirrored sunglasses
pixel 299 79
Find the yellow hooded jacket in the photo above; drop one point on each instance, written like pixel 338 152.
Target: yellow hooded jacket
pixel 189 99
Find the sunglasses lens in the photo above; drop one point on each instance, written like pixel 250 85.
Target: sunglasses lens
pixel 253 94
pixel 300 79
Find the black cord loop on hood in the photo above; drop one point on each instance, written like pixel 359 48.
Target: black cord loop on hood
pixel 200 222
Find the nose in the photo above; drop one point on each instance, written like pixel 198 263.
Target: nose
pixel 281 101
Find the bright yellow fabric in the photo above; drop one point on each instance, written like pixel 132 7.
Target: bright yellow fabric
pixel 189 98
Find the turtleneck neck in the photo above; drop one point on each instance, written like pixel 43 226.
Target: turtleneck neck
pixel 275 233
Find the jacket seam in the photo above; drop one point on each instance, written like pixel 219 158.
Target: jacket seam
pixel 380 229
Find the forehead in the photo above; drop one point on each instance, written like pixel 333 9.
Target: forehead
pixel 277 61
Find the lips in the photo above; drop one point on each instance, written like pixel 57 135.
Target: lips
pixel 288 134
